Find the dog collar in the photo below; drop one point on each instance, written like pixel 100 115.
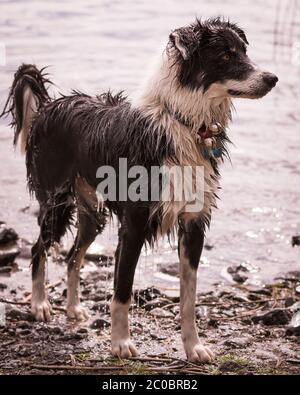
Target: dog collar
pixel 205 136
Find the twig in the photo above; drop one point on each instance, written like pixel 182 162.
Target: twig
pixel 76 367
pixel 22 303
pixel 215 304
pixel 56 284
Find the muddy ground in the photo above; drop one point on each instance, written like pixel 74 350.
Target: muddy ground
pixel 258 212
pixel 252 330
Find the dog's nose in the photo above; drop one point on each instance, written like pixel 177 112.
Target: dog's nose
pixel 270 79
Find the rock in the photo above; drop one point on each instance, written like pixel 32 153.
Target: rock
pixel 296 241
pixel 289 302
pixel 295 307
pixel 5 270
pixel 236 275
pixel 293 331
pixel 82 331
pixel 213 323
pixel 243 267
pixel 7 235
pixel 239 278
pixel 171 268
pixel 238 342
pixel 3 286
pixel 100 323
pixel 157 337
pixel 161 313
pixel 159 302
pixel 16 314
pixel 295 323
pixel 274 317
pixel 143 296
pixel 8 256
pixel 208 247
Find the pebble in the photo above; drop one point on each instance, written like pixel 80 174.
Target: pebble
pixel 82 331
pixel 274 317
pixel 16 314
pixel 3 286
pixel 161 313
pixel 239 278
pixel 8 256
pixel 293 331
pixel 170 268
pixel 296 241
pixel 159 302
pixel 238 342
pixel 7 235
pixel 100 323
pixel 146 295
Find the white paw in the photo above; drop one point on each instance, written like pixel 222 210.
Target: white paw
pixel 41 310
pixel 199 354
pixel 123 348
pixel 77 313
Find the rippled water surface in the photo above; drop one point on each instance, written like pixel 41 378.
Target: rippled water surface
pixel 94 45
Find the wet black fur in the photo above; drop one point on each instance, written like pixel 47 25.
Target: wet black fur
pixel 207 43
pixel 75 135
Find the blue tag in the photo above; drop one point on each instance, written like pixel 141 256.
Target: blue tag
pixel 217 152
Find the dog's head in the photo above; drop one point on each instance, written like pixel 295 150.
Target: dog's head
pixel 212 56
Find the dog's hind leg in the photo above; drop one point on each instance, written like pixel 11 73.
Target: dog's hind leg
pixel 88 229
pixel 54 218
pixel 190 245
pixel 132 237
pixel 40 307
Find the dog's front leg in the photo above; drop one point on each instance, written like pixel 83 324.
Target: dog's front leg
pixel 131 240
pixel 191 239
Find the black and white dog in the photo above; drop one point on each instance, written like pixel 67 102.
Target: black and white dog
pixel 180 118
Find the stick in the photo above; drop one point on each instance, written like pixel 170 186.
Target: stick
pixel 78 367
pixel 22 303
pixel 56 284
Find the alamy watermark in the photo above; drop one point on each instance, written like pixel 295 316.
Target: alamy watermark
pixel 174 184
pixel 2 54
pixel 296 53
pixel 2 315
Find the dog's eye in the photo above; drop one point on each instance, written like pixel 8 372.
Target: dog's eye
pixel 226 57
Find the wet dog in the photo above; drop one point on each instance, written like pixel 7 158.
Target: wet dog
pixel 179 119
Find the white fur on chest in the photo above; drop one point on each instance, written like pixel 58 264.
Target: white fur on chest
pixel 197 108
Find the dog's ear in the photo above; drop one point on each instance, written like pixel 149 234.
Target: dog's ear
pixel 184 40
pixel 240 32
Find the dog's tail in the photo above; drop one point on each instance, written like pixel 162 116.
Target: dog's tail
pixel 27 96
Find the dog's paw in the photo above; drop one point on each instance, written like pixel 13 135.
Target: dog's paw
pixel 124 348
pixel 41 310
pixel 77 313
pixel 199 354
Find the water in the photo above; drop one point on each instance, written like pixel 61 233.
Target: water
pixel 94 45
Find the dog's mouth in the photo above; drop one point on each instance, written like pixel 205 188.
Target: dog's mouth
pixel 251 94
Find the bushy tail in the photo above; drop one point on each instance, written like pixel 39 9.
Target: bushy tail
pixel 27 96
